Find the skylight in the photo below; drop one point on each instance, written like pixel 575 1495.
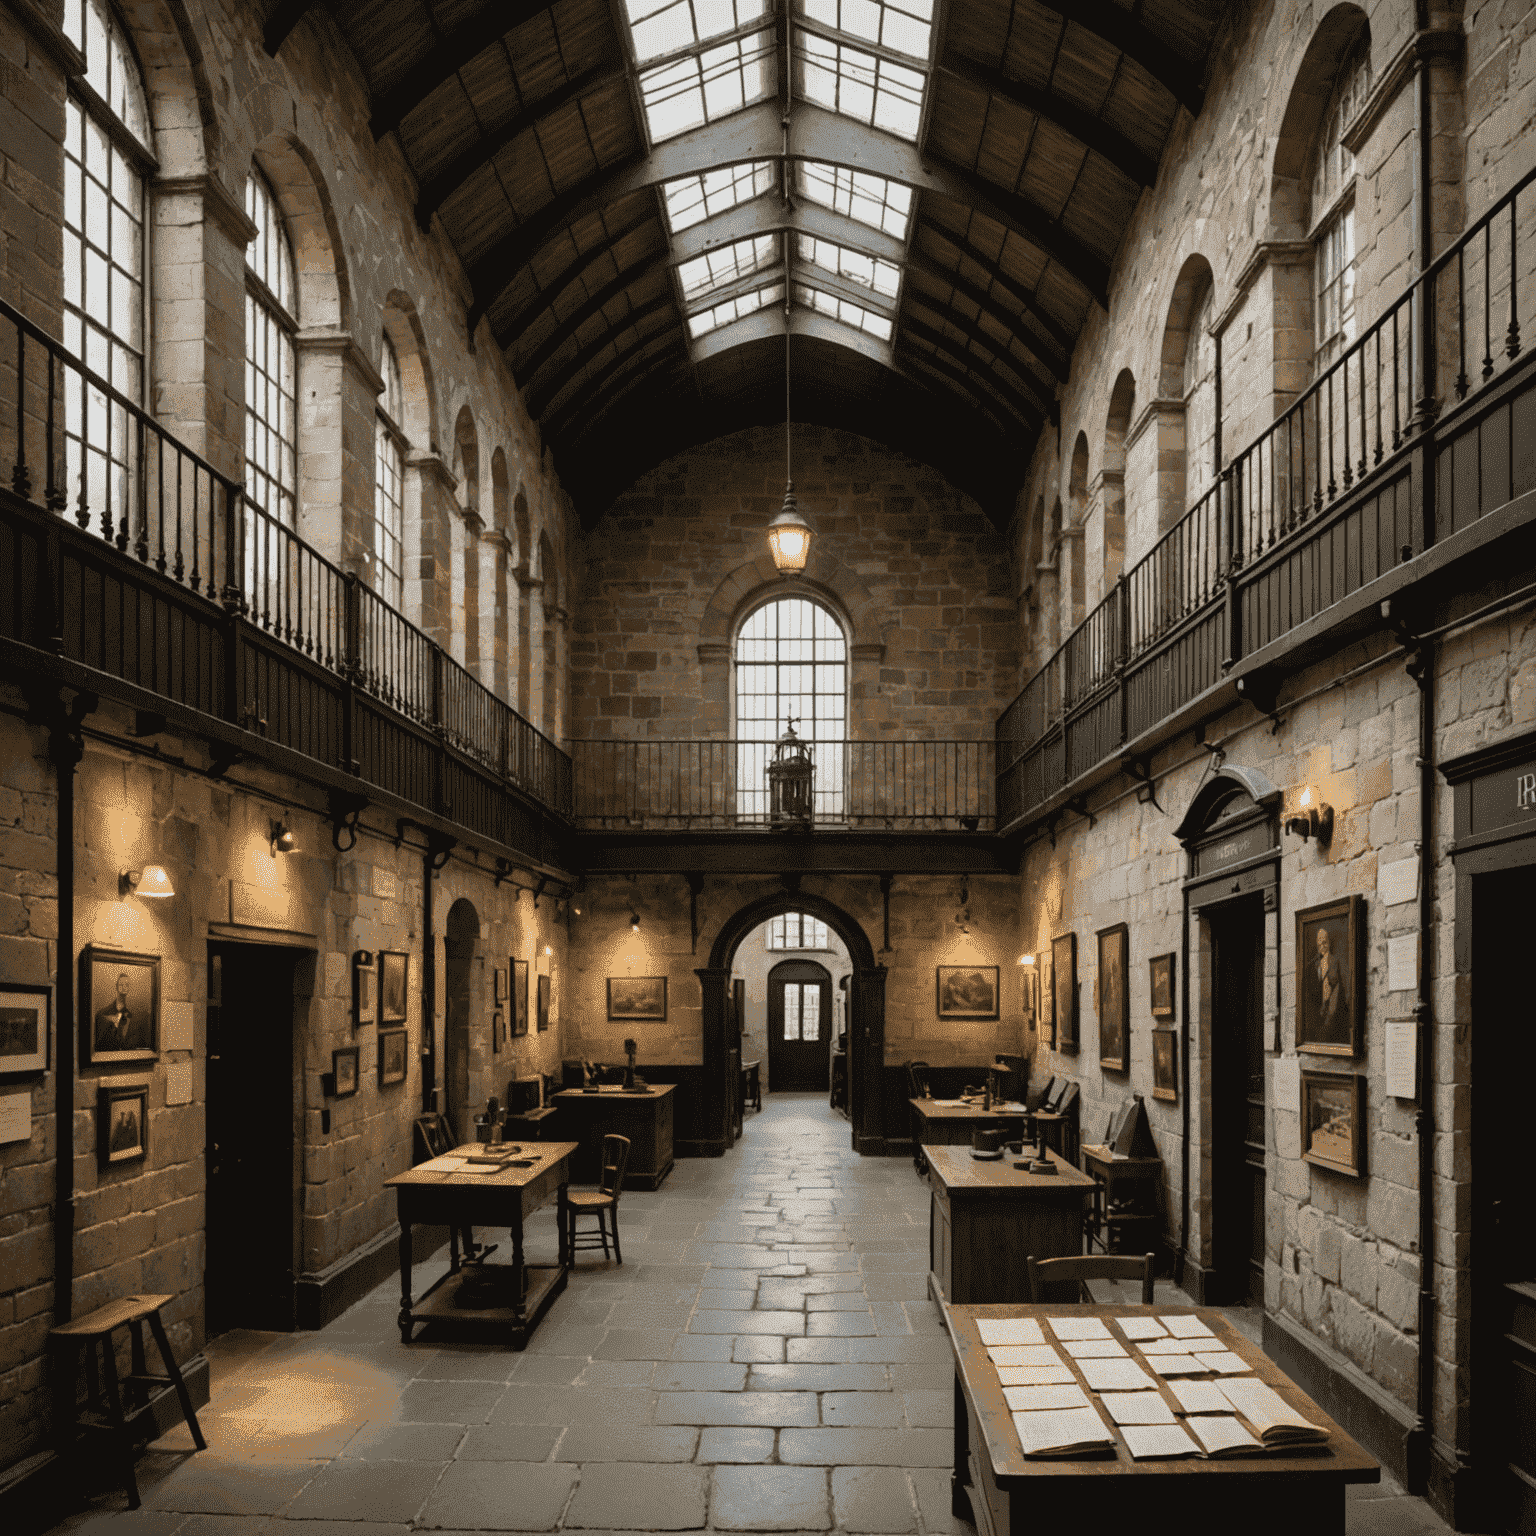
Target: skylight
pixel 846 310
pixel 904 28
pixel 868 271
pixel 708 320
pixel 730 262
pixel 660 27
pixel 704 86
pixel 692 199
pixel 872 200
pixel 862 86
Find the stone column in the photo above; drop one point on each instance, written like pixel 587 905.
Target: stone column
pixel 1070 559
pixel 714 1119
pixel 429 509
pixel 866 1039
pixel 529 677
pixel 495 639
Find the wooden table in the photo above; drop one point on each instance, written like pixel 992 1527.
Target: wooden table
pixel 952 1123
pixel 522 1293
pixel 1298 1493
pixel 645 1118
pixel 1115 1229
pixel 985 1218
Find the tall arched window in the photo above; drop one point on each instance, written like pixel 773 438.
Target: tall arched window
pixel 389 484
pixel 107 160
pixel 791 663
pixel 1333 207
pixel 271 389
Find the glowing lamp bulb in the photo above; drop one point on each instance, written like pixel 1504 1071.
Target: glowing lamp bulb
pixel 153 881
pixel 1026 959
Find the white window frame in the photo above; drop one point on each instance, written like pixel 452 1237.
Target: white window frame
pixel 389 446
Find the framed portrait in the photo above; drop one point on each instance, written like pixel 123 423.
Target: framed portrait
pixel 1165 1064
pixel 394 979
pixel 365 996
pixel 1333 1120
pixel 119 1006
pixel 544 1003
pixel 1164 973
pixel 344 1071
pixel 966 991
pixel 498 1030
pixel 122 1114
pixel 1330 997
pixel 1114 998
pixel 25 1017
pixel 637 997
pixel 519 997
pixel 1064 986
pixel 391 1056
pixel 1029 1001
pixel 500 990
pixel 1047 1005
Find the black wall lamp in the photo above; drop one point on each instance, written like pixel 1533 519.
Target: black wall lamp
pixel 1313 819
pixel 281 839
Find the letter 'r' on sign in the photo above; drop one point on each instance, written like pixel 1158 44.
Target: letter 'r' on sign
pixel 1525 791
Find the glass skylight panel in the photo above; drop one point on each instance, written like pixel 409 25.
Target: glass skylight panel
pixel 860 85
pixel 691 199
pixel 905 27
pixel 660 27
pixel 716 268
pixel 849 313
pixel 868 271
pixel 872 200
pixel 703 87
pixel 712 319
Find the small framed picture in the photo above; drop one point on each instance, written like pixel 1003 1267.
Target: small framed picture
pixel 1114 998
pixel 543 1003
pixel 391 1056
pixel 344 1071
pixel 519 997
pixel 365 999
pixel 25 1017
pixel 498 1030
pixel 1332 1119
pixel 637 997
pixel 394 979
pixel 1064 985
pixel 1165 1064
pixel 966 991
pixel 500 985
pixel 119 1006
pixel 1164 971
pixel 1047 1005
pixel 1329 991
pixel 122 1113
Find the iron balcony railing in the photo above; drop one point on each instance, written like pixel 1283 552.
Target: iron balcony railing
pixel 1454 331
pixel 697 785
pixel 80 448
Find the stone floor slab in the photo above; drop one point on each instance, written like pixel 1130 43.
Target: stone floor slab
pixel 783 1324
pixel 405 1442
pixel 499 1496
pixel 770 1499
pixel 728 1443
pixel 206 1484
pixel 628 1498
pixel 861 1410
pixel 652 1443
pixel 509 1442
pixel 872 1499
pixel 771 1408
pixel 867 1447
pixel 818 1378
pixel 699 1376
pixel 761 1349
pixel 366 1490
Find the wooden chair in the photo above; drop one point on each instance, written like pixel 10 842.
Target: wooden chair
pixel 435 1138
pixel 1044 1272
pixel 602 1202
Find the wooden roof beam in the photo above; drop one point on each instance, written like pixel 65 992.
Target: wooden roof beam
pixel 286 15
pixel 594 389
pixel 1120 29
pixel 540 401
pixel 1009 285
pixel 1024 409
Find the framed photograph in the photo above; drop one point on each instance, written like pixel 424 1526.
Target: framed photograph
pixel 1164 973
pixel 24 1028
pixel 344 1071
pixel 122 1114
pixel 1165 1064
pixel 637 997
pixel 544 1003
pixel 1064 985
pixel 966 991
pixel 1029 1001
pixel 1333 1121
pixel 498 1029
pixel 365 997
pixel 391 1056
pixel 519 997
pixel 1330 997
pixel 394 978
pixel 500 985
pixel 1047 1005
pixel 1114 998
pixel 119 1006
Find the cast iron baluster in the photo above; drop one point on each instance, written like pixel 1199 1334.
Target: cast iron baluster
pixel 21 479
pixel 197 553
pixel 1462 382
pixel 141 548
pixel 1349 475
pixel 1397 423
pixel 108 526
pixel 57 497
pixel 179 568
pixel 160 501
pixel 1364 436
pixel 1512 336
pixel 1488 300
pixel 1333 489
pixel 1379 450
pixel 82 506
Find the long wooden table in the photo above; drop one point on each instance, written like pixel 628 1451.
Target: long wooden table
pixel 1294 1493
pixel 985 1218
pixel 508 1299
pixel 952 1123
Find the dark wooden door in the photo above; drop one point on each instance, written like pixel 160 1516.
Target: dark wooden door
pixel 1237 1101
pixel 799 1027
pixel 252 1190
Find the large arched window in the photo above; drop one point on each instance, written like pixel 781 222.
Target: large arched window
pixel 791 663
pixel 1333 208
pixel 389 484
pixel 271 389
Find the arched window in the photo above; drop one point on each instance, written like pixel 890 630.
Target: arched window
pixel 107 160
pixel 797 930
pixel 791 663
pixel 271 389
pixel 389 484
pixel 1333 207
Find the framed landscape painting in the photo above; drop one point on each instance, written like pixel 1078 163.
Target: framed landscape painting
pixel 637 997
pixel 967 991
pixel 1165 1064
pixel 24 1033
pixel 394 979
pixel 1332 1121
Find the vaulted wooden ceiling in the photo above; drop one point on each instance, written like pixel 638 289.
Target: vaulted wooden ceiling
pixel 632 185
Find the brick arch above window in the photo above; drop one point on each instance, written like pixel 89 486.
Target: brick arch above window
pixel 324 286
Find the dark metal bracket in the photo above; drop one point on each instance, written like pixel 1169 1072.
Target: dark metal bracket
pixel 1138 769
pixel 886 882
pixel 439 846
pixel 1263 694
pixel 1079 803
pixel 146 722
pixel 504 869
pixel 1410 642
pixel 538 890
pixel 223 759
pixel 344 811
pixel 695 886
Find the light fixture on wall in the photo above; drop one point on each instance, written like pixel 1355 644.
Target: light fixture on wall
pixel 1026 959
pixel 1314 819
pixel 789 535
pixel 151 881
pixel 634 921
pixel 281 839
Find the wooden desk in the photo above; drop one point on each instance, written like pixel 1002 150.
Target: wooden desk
pixel 532 1125
pixel 752 1084
pixel 986 1218
pixel 952 1123
pixel 646 1118
pixel 1005 1492
pixel 1124 1231
pixel 522 1292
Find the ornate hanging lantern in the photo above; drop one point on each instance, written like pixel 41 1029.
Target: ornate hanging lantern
pixel 791 776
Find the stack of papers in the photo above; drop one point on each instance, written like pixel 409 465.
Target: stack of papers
pixel 1223 1361
pixel 1177 1365
pixel 1138 1408
pixel 1274 1420
pixel 1009 1330
pixel 1141 1327
pixel 1064 1432
pixel 1223 1436
pixel 1200 1397
pixel 1023 1354
pixel 1148 1442
pixel 1077 1328
pixel 1115 1376
pixel 1041 1399
pixel 1187 1327
pixel 1095 1349
pixel 1035 1375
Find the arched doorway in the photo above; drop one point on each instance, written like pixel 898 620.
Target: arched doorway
pixel 460 990
pixel 799 1026
pixel 866 1018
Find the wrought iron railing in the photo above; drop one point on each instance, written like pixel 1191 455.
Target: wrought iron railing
pixel 901 785
pixel 1454 331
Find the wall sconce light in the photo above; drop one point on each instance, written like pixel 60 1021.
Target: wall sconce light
pixel 152 880
pixel 1314 820
pixel 282 839
pixel 1026 959
pixel 548 949
pixel 634 921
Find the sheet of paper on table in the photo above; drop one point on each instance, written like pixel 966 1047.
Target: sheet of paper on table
pixel 1200 1397
pixel 1223 1436
pixel 1141 1327
pixel 1023 1354
pixel 1038 1399
pixel 1150 1442
pixel 1222 1361
pixel 1094 1349
pixel 1039 1376
pixel 1177 1365
pixel 1061 1433
pixel 1077 1328
pixel 1009 1330
pixel 1275 1420
pixel 1137 1408
pixel 1151 1347
pixel 448 1164
pixel 1187 1327
pixel 1114 1375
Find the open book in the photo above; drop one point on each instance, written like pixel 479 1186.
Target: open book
pixel 1274 1421
pixel 1062 1432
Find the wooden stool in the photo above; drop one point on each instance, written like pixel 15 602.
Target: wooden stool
pixel 97 1328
